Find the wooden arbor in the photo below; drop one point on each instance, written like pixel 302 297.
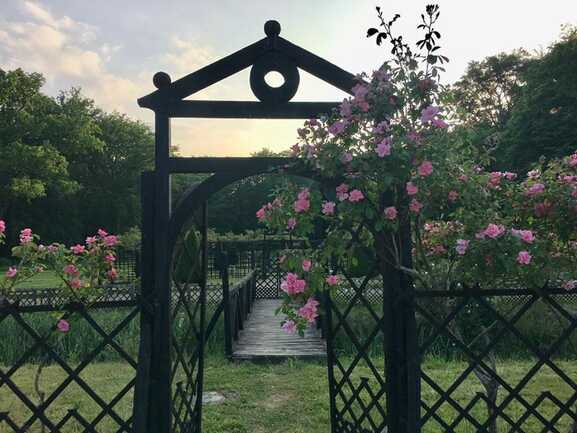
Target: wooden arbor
pixel 163 405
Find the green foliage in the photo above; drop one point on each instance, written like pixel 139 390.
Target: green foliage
pixel 543 120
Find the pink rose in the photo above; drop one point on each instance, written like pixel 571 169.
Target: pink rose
pixel 110 240
pixel 524 258
pixel 289 327
pixel 525 235
pixel 26 236
pixel 77 249
pixel 412 189
pixel 71 270
pixel 426 168
pixel 90 240
pixel 415 206
pixel 338 127
pixel 75 283
pixel 63 326
pixel 307 265
pixel 494 231
pixel 2 227
pixel 429 113
pixel 355 196
pixel 538 188
pixel 572 160
pixel 291 223
pixel 384 147
pixel 11 272
pixel 261 214
pixel 462 245
pixel 332 280
pixel 328 208
pixel 391 212
pixel 309 310
pixel 453 195
pixel 292 284
pixel 102 233
pixel 301 205
pixel 109 258
pixel 342 191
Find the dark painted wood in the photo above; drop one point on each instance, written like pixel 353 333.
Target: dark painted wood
pixel 263 338
pixel 249 109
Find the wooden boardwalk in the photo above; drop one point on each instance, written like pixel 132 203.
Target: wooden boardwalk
pixel 263 339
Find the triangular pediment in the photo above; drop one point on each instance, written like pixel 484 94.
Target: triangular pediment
pixel 273 53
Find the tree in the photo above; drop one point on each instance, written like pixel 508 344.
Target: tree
pixel 30 163
pixel 543 119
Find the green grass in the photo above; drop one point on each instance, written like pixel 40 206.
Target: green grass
pixel 291 397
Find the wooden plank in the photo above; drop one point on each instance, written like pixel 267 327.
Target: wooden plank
pixel 263 338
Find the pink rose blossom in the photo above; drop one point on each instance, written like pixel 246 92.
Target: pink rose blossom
pixel 301 205
pixel 289 327
pixel 338 127
pixel 75 283
pixel 307 265
pixel 261 214
pixel 524 258
pixel 572 160
pixel 415 206
pixel 429 113
pixel 414 136
pixel 538 188
pixel 292 284
pixel 2 227
pixel 332 280
pixel 309 310
pixel 525 235
pixel 391 212
pixel 90 240
pixel 453 195
pixel 26 236
pixel 355 196
pixel 360 91
pixel 291 223
pixel 71 269
pixel 328 208
pixel 11 272
pixel 462 245
pixel 63 326
pixel 412 189
pixel 78 249
pixel 102 233
pixel 569 284
pixel 342 191
pixel 493 231
pixel 109 258
pixel 346 108
pixel 426 168
pixel 384 147
pixel 534 174
pixel 110 240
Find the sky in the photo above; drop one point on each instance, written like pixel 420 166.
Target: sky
pixel 112 48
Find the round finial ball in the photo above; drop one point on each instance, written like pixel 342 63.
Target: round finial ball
pixel 161 79
pixel 272 28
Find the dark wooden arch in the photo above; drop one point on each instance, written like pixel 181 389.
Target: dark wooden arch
pixel 161 228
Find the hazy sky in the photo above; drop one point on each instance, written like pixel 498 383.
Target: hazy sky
pixel 111 48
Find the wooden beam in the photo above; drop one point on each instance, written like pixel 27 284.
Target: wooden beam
pixel 249 110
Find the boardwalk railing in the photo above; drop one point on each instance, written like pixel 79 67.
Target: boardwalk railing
pixel 237 302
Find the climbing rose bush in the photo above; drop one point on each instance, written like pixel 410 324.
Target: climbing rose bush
pixel 83 269
pixel 385 159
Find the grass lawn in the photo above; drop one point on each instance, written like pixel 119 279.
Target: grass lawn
pixel 291 397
